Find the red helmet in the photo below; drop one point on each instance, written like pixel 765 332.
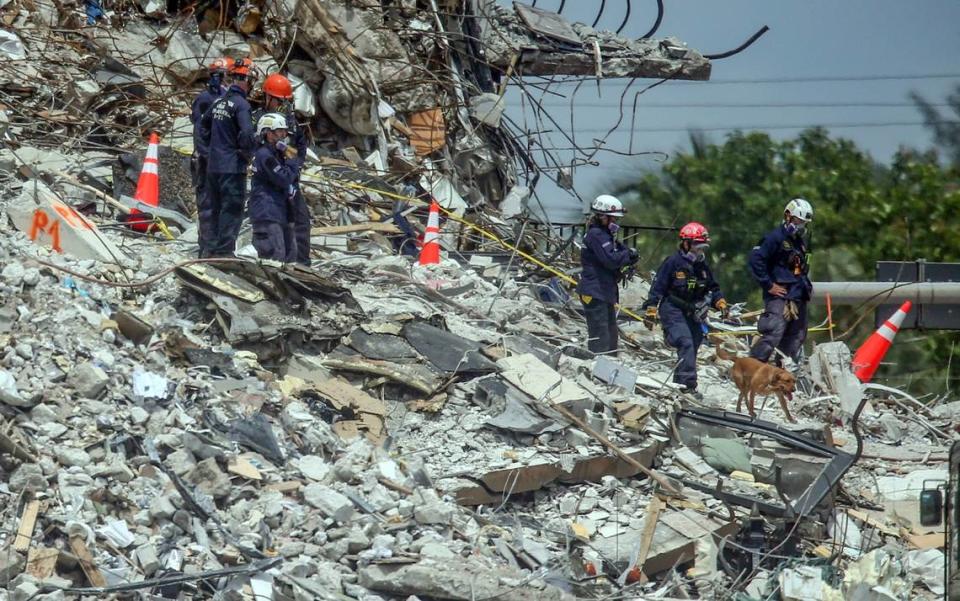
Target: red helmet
pixel 220 65
pixel 695 232
pixel 240 67
pixel 278 86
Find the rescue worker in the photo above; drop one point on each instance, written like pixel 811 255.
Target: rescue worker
pixel 278 97
pixel 604 262
pixel 227 139
pixel 198 161
pixel 779 264
pixel 272 191
pixel 682 292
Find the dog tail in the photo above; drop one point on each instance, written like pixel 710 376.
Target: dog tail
pixel 723 354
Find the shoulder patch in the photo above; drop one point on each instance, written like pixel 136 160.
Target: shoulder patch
pixel 681 275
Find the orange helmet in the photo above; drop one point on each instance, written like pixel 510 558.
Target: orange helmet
pixel 695 232
pixel 278 86
pixel 220 65
pixel 241 67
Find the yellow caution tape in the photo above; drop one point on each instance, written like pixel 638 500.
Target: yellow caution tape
pixel 481 231
pixel 756 332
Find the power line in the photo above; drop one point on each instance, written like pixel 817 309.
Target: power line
pixel 767 80
pixel 752 105
pixel 749 127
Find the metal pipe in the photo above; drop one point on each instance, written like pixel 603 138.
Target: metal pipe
pixel 853 293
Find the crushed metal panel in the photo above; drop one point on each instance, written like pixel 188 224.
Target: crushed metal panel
pixel 261 302
pixel 380 346
pixel 546 23
pixel 609 371
pixel 523 342
pixel 837 462
pixel 447 351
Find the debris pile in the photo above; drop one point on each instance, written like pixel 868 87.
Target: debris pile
pixel 368 428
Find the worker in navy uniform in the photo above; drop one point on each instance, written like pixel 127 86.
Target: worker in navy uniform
pixel 227 139
pixel 198 161
pixel 604 262
pixel 278 97
pixel 682 292
pixel 779 264
pixel 272 192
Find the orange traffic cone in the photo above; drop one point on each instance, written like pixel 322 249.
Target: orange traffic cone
pixel 871 352
pixel 430 253
pixel 148 186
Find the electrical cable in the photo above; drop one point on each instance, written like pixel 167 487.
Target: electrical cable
pixel 740 127
pixel 603 4
pixel 656 24
pixel 807 79
pixel 626 17
pixel 740 48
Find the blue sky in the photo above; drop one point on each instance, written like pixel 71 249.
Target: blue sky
pixel 838 38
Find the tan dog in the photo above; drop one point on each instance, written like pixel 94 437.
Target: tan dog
pixel 753 378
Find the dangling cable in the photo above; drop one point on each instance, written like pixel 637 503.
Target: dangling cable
pixel 739 48
pixel 656 24
pixel 603 3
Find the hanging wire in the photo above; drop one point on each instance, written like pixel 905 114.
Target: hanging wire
pixel 656 24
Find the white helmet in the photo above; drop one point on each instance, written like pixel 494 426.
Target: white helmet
pixel 800 209
pixel 607 205
pixel 270 122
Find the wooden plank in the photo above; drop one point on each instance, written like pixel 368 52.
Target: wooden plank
pixel 240 466
pixel 42 562
pixel 646 537
pixel 286 486
pixel 89 567
pixel 28 520
pixel 383 227
pixel 871 521
pixel 937 540
pixel 617 450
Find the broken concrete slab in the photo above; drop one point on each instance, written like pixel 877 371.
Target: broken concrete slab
pixel 47 221
pixel 511 409
pixel 582 50
pixel 544 385
pixel 459 580
pixel 330 502
pixel 490 487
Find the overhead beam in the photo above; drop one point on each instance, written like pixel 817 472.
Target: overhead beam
pixel 852 293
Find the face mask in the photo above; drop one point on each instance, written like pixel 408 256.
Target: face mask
pixel 796 229
pixel 690 256
pixel 613 227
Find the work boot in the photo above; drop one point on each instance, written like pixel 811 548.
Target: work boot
pixel 692 393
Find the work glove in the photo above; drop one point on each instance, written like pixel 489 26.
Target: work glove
pixel 634 256
pixel 723 308
pixel 650 317
pixel 791 311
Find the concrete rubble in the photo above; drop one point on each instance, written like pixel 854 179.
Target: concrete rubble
pixel 368 428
